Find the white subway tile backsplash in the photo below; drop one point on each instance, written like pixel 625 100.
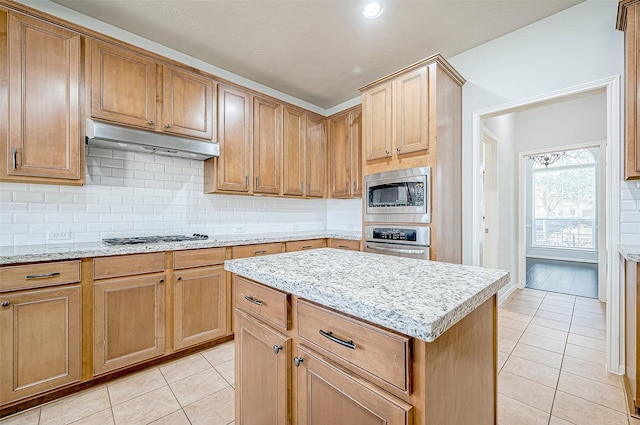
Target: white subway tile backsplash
pixel 136 194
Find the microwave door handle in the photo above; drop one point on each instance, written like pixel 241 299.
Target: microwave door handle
pixel 397 250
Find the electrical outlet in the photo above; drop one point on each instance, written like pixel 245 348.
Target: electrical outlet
pixel 238 229
pixel 59 235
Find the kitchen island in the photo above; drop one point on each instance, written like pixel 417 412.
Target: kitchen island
pixel 328 336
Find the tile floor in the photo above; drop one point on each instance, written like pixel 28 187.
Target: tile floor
pixel 567 277
pixel 551 371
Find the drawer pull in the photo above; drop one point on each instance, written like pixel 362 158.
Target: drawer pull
pixel 43 275
pixel 252 300
pixel 277 348
pixel 297 361
pixel 307 247
pixel 6 303
pixel 343 246
pixel 348 344
pixel 261 252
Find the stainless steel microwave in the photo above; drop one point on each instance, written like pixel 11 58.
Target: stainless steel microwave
pixel 401 196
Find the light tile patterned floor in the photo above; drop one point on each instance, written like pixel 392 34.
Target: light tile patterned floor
pixel 551 364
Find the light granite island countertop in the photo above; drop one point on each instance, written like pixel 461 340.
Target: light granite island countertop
pixel 418 298
pixel 368 337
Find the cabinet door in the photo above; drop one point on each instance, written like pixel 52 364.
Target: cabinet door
pixel 199 306
pixel 267 145
pixel 234 126
pixel 44 110
pixel 128 321
pixel 263 373
pixel 327 395
pixel 123 86
pixel 294 137
pixel 340 156
pixel 410 105
pixel 40 346
pixel 315 157
pixel 356 152
pixel 632 77
pixel 377 130
pixel 188 103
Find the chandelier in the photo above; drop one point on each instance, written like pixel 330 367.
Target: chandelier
pixel 546 159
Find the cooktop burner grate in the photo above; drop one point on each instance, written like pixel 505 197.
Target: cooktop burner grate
pixel 152 239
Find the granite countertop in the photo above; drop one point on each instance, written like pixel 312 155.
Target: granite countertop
pixel 53 252
pixel 418 298
pixel 630 252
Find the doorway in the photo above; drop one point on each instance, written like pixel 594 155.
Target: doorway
pixel 563 196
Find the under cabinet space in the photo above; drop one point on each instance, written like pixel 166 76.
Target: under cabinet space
pixel 263 356
pixel 39 275
pixel 327 394
pixel 199 306
pixel 379 355
pixel 266 303
pixel 40 342
pixel 304 245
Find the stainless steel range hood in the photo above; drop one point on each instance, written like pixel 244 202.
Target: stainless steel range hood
pixel 112 136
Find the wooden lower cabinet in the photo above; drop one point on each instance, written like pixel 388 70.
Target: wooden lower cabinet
pixel 632 342
pixel 328 395
pixel 263 373
pixel 128 320
pixel 40 346
pixel 199 306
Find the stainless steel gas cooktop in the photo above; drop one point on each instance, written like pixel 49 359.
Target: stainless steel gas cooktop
pixel 153 239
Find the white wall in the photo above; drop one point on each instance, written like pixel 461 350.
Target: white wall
pixel 575 46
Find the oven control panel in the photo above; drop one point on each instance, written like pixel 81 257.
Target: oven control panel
pixel 414 235
pixel 389 233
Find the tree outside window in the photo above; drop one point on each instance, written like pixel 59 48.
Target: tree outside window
pixel 564 202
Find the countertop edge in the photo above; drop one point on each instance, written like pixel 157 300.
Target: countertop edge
pixel 55 252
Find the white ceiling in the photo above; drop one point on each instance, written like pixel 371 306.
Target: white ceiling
pixel 317 51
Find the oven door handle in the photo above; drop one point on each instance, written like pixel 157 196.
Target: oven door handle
pixel 397 250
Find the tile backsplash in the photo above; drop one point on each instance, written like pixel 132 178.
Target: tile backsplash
pixel 134 194
pixel 630 213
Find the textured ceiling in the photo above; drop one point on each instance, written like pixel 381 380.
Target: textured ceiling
pixel 317 51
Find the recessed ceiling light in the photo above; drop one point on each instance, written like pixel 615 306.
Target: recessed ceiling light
pixel 372 10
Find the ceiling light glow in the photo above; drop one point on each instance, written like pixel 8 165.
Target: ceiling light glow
pixel 372 10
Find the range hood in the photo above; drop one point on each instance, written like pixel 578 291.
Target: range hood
pixel 112 136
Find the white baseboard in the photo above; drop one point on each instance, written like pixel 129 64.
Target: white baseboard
pixel 502 298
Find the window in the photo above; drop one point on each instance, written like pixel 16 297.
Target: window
pixel 564 213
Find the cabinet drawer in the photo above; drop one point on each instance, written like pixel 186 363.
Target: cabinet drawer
pixel 368 350
pixel 128 265
pixel 303 245
pixel 255 250
pixel 198 258
pixel 39 275
pixel 344 244
pixel 265 303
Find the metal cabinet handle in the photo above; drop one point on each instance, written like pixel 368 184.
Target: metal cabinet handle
pixel 346 186
pixel 246 181
pixel 297 361
pixel 343 246
pixel 348 344
pixel 257 181
pixel 253 300
pixel 5 304
pixel 161 280
pixel 168 126
pixel 387 152
pixel 152 122
pixel 398 150
pixel 277 348
pixel 43 275
pixel 355 185
pixel 261 252
pixel 397 251
pixel 179 277
pixel 307 247
pixel 15 157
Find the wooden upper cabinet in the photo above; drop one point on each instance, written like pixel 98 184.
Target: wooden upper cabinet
pixel 234 126
pixel 345 154
pixel 188 103
pixel 339 157
pixel 410 105
pixel 123 86
pixel 44 67
pixel 294 136
pixel 628 21
pixel 378 131
pixel 315 156
pixel 267 145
